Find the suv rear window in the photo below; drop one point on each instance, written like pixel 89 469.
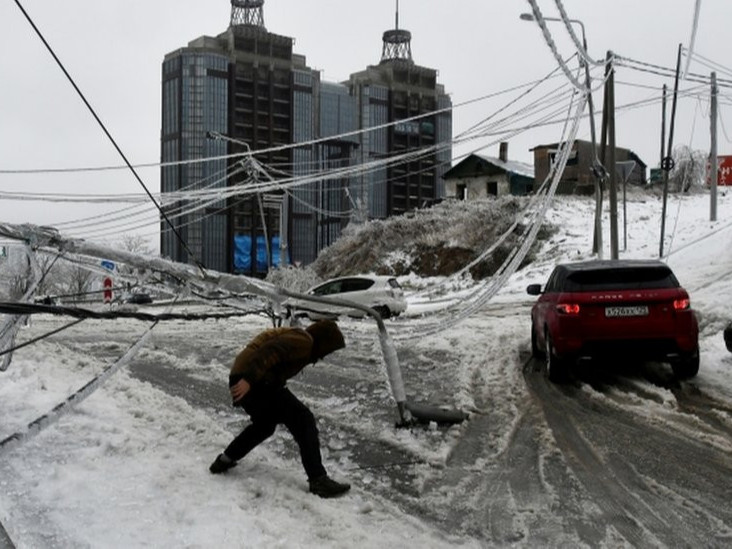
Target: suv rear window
pixel 620 279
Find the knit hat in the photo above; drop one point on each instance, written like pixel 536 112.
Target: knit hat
pixel 327 338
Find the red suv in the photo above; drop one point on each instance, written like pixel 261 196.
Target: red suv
pixel 614 308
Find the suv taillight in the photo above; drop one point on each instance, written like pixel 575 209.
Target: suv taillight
pixel 568 308
pixel 681 304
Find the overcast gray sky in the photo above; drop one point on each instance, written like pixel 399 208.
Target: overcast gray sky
pixel 114 50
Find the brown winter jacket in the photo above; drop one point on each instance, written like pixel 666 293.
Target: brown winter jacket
pixel 277 354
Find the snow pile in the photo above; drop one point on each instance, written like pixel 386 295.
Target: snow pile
pixel 436 241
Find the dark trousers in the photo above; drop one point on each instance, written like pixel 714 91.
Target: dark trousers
pixel 267 408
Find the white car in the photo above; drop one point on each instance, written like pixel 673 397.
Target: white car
pixel 381 293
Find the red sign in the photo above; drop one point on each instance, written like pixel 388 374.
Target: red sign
pixel 724 175
pixel 724 171
pixel 107 289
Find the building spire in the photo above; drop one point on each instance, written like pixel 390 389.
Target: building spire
pixel 397 43
pixel 247 12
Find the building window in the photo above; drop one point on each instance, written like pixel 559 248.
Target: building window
pixel 571 159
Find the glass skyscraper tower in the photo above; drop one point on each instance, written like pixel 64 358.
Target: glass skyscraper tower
pixel 246 90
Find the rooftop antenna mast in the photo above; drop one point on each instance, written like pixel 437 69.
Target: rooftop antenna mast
pixel 247 12
pixel 397 43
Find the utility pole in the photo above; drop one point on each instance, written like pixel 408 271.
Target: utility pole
pixel 625 170
pixel 713 167
pixel 597 168
pixel 663 126
pixel 613 172
pixel 667 164
pixel 603 155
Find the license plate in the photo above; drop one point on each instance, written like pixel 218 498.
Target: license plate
pixel 639 310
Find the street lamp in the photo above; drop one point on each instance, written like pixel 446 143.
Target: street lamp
pixel 530 17
pixel 597 167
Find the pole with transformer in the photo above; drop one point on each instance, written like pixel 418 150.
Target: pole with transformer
pixel 713 160
pixel 667 164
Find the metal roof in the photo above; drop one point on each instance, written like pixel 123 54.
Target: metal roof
pixel 510 166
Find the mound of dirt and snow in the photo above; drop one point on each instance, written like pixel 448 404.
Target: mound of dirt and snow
pixel 436 241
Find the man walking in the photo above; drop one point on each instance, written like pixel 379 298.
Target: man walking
pixel 257 383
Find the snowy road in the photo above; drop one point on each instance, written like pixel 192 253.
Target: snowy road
pixel 645 464
pixel 613 458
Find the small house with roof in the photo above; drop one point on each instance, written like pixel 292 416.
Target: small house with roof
pixel 578 177
pixel 478 176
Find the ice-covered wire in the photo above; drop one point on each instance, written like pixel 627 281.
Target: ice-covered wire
pixel 487 290
pixel 40 337
pixel 155 220
pixel 695 25
pixel 185 209
pixel 581 46
pixel 17 308
pixel 241 155
pixel 660 70
pixel 76 398
pixel 105 130
pixel 709 63
pixel 296 181
pixel 539 18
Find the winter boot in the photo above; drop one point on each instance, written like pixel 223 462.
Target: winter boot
pixel 222 464
pixel 326 487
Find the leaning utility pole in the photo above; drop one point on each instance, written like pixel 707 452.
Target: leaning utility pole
pixel 713 167
pixel 667 164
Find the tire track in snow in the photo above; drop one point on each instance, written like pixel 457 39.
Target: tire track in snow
pixel 629 466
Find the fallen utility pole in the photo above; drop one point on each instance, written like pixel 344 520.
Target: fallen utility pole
pixel 48 237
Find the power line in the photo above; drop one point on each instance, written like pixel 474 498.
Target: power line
pixel 104 129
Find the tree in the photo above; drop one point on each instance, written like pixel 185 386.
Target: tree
pixel 690 170
pixel 136 244
pixel 50 274
pixel 78 280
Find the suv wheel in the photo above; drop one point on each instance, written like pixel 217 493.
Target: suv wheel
pixel 535 350
pixel 687 366
pixel 556 368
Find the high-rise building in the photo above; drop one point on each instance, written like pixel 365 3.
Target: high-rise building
pixel 411 117
pixel 246 90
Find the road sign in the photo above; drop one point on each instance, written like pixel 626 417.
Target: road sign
pixel 724 171
pixel 109 265
pixel 656 175
pixel 107 289
pixel 724 175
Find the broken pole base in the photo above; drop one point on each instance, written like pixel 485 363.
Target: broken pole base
pixel 426 413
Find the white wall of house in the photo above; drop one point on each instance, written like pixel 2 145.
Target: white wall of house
pixel 477 187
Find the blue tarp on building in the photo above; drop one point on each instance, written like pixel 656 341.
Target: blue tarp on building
pixel 243 253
